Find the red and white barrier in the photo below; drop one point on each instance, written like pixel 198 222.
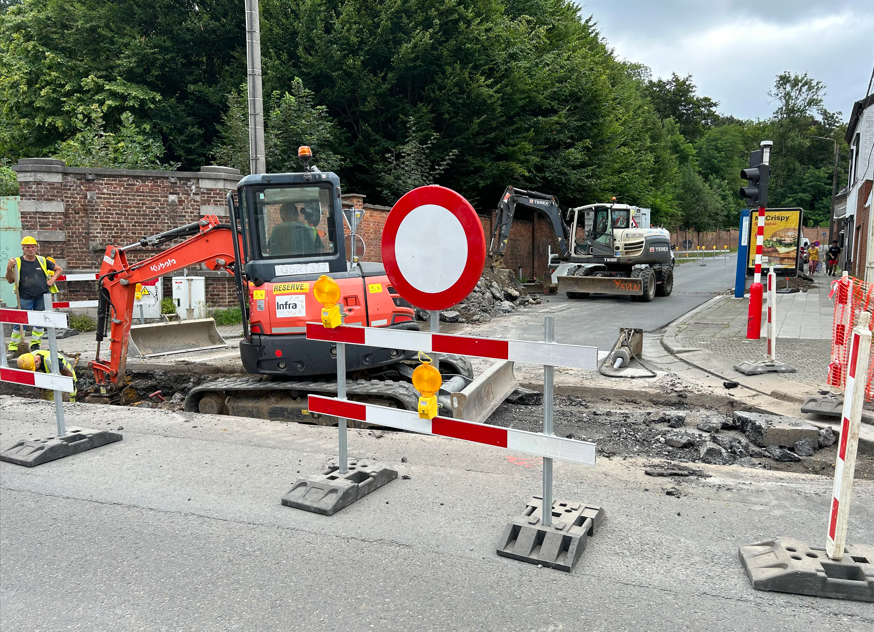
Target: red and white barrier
pixel 772 315
pixel 754 315
pixel 843 322
pixel 546 353
pixel 851 421
pixel 71 304
pixel 547 446
pixel 48 381
pixel 79 277
pixel 53 381
pixel 35 319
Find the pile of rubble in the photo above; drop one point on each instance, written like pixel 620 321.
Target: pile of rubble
pixel 756 436
pixel 495 294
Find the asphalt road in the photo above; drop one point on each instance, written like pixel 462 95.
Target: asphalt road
pixel 180 527
pixel 596 320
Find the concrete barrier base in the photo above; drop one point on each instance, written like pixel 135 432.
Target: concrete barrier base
pixel 329 492
pixel 790 566
pixel 558 546
pixel 759 368
pixel 33 452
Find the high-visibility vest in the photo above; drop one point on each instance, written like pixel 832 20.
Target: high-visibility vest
pixel 42 264
pixel 45 367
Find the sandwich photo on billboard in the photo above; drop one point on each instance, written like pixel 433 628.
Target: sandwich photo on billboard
pixel 781 246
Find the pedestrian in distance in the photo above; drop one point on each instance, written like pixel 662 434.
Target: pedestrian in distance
pixel 42 361
pixel 834 251
pixel 33 276
pixel 813 257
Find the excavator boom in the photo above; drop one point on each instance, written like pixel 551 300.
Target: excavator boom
pixel 211 244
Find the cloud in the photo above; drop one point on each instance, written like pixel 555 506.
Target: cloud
pixel 735 48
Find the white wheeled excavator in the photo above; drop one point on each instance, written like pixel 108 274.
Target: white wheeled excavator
pixel 602 248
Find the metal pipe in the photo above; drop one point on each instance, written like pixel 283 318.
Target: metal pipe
pixel 435 329
pixel 56 367
pixel 548 374
pixel 341 394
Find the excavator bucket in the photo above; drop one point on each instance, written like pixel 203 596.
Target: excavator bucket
pixel 175 337
pixel 482 397
pixel 601 285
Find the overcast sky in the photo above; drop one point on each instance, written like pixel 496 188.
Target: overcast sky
pixel 715 41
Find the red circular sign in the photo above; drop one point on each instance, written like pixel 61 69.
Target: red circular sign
pixel 433 247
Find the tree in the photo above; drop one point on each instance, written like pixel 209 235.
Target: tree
pixel 292 120
pixel 676 98
pixel 168 63
pixel 411 165
pixel 797 96
pixel 131 147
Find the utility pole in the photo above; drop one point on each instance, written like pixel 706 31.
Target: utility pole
pixel 257 157
pixel 831 223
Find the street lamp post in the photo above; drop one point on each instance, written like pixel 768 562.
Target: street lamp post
pixel 831 223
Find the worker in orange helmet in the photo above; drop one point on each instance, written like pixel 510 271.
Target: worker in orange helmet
pixel 42 361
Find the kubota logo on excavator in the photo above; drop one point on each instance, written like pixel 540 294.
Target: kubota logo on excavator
pixel 164 264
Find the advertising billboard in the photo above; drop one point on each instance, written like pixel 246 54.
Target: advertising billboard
pixel 782 238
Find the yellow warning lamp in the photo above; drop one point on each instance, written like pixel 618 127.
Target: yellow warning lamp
pixel 327 293
pixel 427 380
pixel 305 154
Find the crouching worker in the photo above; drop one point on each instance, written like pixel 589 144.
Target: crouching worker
pixel 42 361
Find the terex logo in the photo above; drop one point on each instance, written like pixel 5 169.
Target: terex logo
pixel 541 202
pixel 160 266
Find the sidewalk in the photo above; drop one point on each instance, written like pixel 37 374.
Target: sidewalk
pixel 713 338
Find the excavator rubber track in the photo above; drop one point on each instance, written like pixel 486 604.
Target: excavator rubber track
pixel 287 400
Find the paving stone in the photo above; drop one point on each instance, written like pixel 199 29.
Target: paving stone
pixel 805 447
pixel 826 437
pixel 711 424
pixel 781 454
pixel 714 454
pixel 775 430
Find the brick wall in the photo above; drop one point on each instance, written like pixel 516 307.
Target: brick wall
pixel 75 213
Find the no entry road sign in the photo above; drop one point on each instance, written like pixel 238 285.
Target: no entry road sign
pixel 433 247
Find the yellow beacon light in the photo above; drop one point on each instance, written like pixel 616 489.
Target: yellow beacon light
pixel 427 380
pixel 327 293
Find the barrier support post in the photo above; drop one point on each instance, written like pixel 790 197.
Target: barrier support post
pixel 56 367
pixel 341 394
pixel 772 314
pixel 851 422
pixel 2 345
pixel 548 375
pixel 435 329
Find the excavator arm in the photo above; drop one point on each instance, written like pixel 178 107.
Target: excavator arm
pixel 546 205
pixel 212 243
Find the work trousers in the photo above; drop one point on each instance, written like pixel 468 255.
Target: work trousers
pixel 37 332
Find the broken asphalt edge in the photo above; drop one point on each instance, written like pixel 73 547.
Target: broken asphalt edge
pixel 672 346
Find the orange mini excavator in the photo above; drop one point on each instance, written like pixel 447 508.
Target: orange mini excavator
pixel 282 233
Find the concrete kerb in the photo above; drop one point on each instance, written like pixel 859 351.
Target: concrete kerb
pixel 783 389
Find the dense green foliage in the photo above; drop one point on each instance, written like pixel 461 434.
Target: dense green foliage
pixel 473 94
pixel 229 316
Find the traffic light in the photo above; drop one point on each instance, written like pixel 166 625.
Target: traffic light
pixel 756 191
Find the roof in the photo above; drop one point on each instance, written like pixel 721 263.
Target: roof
pixel 858 107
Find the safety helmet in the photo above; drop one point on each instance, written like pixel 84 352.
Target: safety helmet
pixel 28 241
pixel 25 362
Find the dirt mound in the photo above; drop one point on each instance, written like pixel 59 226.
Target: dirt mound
pixel 494 295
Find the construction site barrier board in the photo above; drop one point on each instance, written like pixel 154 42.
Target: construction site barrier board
pixel 522 441
pixel 852 298
pixel 551 354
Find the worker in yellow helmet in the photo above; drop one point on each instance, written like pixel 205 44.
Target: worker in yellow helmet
pixel 42 361
pixel 33 276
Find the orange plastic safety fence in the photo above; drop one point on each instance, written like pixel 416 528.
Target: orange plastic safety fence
pixel 852 297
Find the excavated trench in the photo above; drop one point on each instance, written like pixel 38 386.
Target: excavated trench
pixel 671 432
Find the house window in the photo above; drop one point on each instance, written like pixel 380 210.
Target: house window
pixel 854 160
